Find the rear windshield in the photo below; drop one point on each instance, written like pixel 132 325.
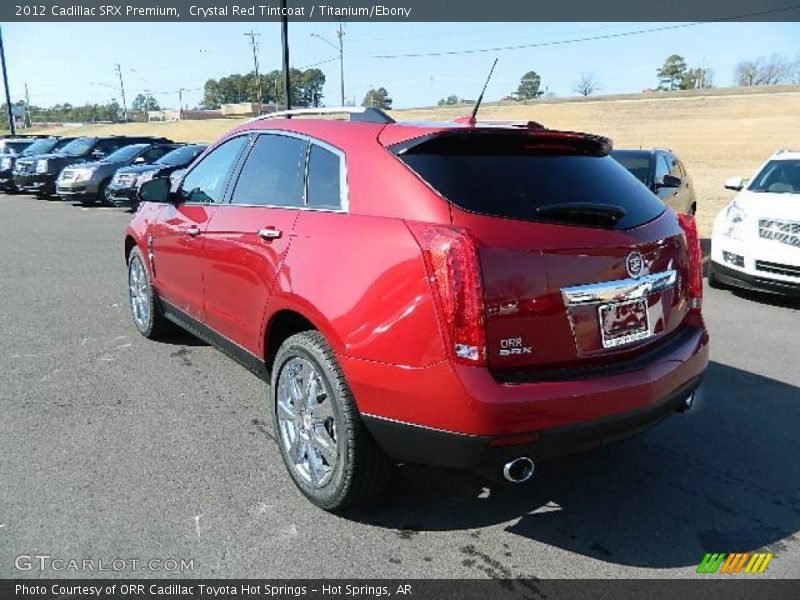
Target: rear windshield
pixel 520 177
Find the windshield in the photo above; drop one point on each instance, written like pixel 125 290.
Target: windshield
pixel 125 154
pixel 518 178
pixel 778 177
pixel 637 164
pixel 78 147
pixel 15 147
pixel 40 147
pixel 180 156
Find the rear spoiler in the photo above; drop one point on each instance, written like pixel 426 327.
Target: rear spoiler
pixel 508 139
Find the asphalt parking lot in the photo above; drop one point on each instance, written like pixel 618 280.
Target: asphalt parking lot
pixel 116 447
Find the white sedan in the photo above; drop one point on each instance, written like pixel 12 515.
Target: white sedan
pixel 756 238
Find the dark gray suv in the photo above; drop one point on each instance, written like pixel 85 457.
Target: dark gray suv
pixel 664 174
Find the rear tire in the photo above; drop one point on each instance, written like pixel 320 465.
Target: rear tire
pixel 328 452
pixel 142 299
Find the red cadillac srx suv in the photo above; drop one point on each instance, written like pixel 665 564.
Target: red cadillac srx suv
pixel 481 296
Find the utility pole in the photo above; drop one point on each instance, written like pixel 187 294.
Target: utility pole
pixel 287 88
pixel 122 92
pixel 254 43
pixel 28 114
pixel 340 48
pixel 180 103
pixel 340 35
pixel 5 83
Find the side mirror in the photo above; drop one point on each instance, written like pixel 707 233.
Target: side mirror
pixel 670 181
pixel 156 190
pixel 139 160
pixel 98 154
pixel 734 183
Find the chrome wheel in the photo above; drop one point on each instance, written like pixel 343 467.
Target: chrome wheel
pixel 139 294
pixel 306 422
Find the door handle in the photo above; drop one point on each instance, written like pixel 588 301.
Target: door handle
pixel 269 233
pixel 192 231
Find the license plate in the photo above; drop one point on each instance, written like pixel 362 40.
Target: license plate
pixel 623 322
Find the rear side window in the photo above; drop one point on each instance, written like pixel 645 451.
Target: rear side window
pixel 324 179
pixel 273 174
pixel 519 177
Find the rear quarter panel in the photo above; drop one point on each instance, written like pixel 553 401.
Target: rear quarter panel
pixel 362 281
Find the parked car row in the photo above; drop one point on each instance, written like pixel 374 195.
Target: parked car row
pixel 83 168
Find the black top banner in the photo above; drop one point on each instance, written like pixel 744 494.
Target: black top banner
pixel 401 10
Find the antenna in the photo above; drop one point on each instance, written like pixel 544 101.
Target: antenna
pixel 474 117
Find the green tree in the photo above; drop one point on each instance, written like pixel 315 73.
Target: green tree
pixel 379 98
pixel 306 88
pixel 142 103
pixel 530 86
pixel 672 75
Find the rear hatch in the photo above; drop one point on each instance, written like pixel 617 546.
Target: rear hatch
pixel 581 264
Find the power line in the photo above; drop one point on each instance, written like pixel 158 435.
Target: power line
pixel 581 39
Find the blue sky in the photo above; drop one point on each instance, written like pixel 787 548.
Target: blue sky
pixel 74 62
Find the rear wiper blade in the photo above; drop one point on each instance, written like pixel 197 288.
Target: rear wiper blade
pixel 583 211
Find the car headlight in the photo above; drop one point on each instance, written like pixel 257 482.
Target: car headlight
pixel 5 164
pixel 42 166
pixel 144 177
pixel 83 174
pixel 735 218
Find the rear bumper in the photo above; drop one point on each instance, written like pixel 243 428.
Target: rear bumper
pixel 758 283
pixel 487 454
pixel 448 414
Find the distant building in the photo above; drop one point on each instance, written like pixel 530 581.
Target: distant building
pixel 246 109
pixel 185 115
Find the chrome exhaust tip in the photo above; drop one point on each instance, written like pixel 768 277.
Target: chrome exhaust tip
pixel 687 403
pixel 518 470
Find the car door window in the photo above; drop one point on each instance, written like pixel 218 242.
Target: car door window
pixel 205 183
pixel 662 168
pixel 324 179
pixel 273 173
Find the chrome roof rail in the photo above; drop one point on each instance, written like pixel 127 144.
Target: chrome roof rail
pixel 360 114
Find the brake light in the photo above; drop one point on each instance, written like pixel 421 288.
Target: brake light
pixel 451 258
pixel 694 268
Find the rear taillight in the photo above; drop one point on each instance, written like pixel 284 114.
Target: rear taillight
pixel 451 259
pixel 694 268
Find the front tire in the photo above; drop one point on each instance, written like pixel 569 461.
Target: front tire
pixel 329 454
pixel 142 299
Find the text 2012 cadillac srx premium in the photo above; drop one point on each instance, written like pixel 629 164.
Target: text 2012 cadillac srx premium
pixel 479 296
